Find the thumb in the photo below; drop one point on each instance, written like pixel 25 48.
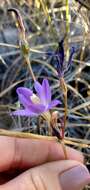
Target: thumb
pixel 60 175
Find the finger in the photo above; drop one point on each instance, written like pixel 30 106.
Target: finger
pixel 26 153
pixel 60 175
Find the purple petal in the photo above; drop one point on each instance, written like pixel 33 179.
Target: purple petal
pixel 25 91
pixel 31 110
pixel 24 95
pixel 46 92
pixel 43 91
pixel 25 112
pixel 39 90
pixel 36 108
pixel 53 104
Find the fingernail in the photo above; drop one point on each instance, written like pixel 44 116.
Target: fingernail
pixel 75 178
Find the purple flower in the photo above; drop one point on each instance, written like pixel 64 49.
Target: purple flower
pixel 59 54
pixel 31 108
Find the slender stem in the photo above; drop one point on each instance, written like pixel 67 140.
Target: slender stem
pixel 40 137
pixel 30 68
pixel 64 89
pixel 65 113
pixel 67 17
pixel 45 9
pixel 25 135
pixel 64 149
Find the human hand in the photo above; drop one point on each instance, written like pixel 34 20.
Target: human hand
pixel 27 164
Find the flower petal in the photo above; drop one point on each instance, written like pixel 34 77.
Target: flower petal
pixel 53 104
pixel 24 95
pixel 43 91
pixel 39 89
pixel 46 92
pixel 25 91
pixel 25 112
pixel 32 110
pixel 36 108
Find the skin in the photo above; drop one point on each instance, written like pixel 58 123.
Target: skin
pixel 27 164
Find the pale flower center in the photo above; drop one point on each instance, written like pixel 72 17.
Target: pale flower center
pixel 35 99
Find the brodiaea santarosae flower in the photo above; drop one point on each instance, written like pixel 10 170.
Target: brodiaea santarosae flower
pixel 32 108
